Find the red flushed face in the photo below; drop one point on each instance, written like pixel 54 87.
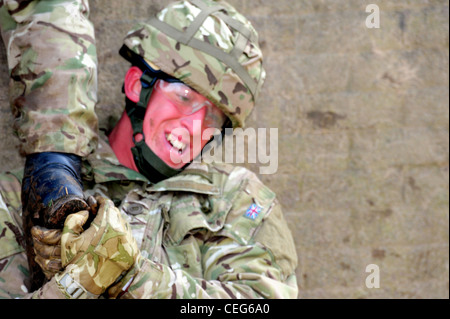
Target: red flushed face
pixel 178 123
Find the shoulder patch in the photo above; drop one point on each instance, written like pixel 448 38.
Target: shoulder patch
pixel 253 212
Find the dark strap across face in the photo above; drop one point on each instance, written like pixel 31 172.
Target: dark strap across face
pixel 150 165
pixel 147 162
pixel 136 111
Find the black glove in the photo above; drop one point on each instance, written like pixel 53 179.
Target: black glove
pixel 51 189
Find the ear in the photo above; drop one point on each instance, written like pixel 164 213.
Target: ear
pixel 132 84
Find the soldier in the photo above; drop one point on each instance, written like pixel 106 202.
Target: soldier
pixel 167 226
pixel 52 62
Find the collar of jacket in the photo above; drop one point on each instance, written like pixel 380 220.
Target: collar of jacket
pixel 196 178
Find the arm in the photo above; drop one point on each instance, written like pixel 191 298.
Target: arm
pixel 52 61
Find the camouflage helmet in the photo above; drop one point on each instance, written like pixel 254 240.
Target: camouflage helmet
pixel 210 47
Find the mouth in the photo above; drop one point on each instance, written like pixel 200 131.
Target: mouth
pixel 178 145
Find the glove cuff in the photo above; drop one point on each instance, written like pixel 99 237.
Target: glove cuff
pixel 71 288
pixel 121 287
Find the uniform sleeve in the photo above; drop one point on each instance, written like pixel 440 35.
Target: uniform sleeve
pixel 52 61
pixel 260 269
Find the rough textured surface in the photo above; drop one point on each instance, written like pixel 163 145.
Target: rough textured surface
pixel 363 119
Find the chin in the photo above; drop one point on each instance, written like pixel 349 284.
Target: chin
pixel 177 161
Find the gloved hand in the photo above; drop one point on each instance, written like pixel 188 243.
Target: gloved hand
pixel 47 247
pixel 97 257
pixel 51 189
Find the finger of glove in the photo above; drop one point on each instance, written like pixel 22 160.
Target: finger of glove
pixel 98 224
pixel 75 240
pixel 72 243
pixel 103 206
pixel 74 223
pixel 49 266
pixel 46 236
pixel 100 199
pixel 47 251
pixel 109 215
pixel 101 219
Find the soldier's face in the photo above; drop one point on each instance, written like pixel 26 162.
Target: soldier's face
pixel 179 122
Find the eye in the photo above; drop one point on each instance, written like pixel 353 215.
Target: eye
pixel 184 98
pixel 184 94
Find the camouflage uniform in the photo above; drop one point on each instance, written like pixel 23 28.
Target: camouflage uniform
pixel 52 62
pixel 194 231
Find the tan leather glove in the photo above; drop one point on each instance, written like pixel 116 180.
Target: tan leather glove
pixel 47 247
pixel 97 257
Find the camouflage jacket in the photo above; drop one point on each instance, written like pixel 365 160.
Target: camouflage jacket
pixel 52 61
pixel 213 231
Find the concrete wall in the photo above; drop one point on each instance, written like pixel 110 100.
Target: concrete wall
pixel 363 126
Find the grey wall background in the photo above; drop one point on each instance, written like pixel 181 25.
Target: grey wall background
pixel 363 124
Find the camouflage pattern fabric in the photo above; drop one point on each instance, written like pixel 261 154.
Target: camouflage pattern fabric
pixel 210 47
pixel 214 231
pixel 13 260
pixel 52 61
pixel 97 256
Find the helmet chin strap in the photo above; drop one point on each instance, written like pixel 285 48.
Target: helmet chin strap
pixel 147 162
